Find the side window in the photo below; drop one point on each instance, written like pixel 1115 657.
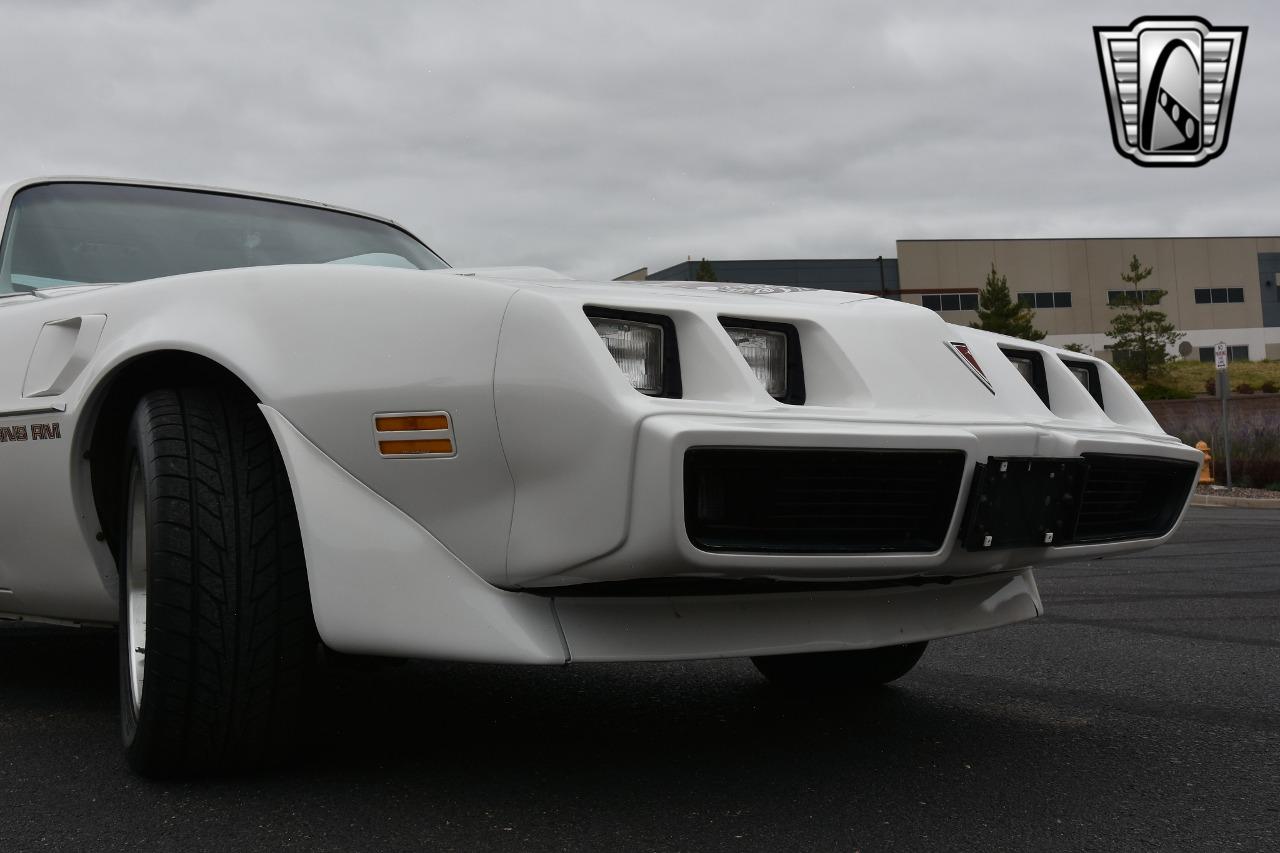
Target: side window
pixel 1218 295
pixel 950 301
pixel 1148 297
pixel 1045 298
pixel 1235 352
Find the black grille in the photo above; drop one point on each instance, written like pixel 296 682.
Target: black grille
pixel 1132 497
pixel 820 501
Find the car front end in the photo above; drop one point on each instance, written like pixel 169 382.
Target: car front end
pixel 718 470
pixel 304 424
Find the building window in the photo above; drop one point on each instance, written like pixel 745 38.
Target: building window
pixel 1235 352
pixel 1117 297
pixel 950 301
pixel 1045 298
pixel 1123 359
pixel 1216 295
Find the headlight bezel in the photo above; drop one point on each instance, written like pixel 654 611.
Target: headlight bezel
pixel 1094 385
pixel 794 393
pixel 1038 380
pixel 671 384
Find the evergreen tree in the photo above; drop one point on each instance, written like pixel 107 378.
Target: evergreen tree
pixel 997 312
pixel 705 272
pixel 1141 332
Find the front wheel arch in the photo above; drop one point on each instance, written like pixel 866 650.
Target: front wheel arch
pixel 109 409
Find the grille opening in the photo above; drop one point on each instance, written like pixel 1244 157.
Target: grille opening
pixel 834 501
pixel 1132 497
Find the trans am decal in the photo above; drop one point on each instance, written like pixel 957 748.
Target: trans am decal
pixel 37 432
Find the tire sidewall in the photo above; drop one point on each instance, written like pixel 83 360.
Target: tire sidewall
pixel 139 464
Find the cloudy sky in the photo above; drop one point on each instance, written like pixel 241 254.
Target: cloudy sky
pixel 595 138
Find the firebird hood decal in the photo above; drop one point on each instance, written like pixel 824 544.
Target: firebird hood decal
pixel 727 287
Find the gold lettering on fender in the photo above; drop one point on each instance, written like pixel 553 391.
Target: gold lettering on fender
pixel 45 432
pixel 37 432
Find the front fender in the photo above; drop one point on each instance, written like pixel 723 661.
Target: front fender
pixel 330 347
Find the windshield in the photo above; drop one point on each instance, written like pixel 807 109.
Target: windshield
pixel 64 234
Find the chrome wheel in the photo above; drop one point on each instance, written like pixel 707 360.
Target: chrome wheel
pixel 135 580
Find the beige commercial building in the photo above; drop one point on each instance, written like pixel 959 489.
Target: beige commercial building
pixel 1218 288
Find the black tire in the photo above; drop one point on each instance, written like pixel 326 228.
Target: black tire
pixel 227 626
pixel 840 672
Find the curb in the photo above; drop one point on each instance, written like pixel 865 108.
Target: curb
pixel 1238 503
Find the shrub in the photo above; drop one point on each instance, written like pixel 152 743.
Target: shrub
pixel 1268 387
pixel 1211 386
pixel 1255 442
pixel 1244 388
pixel 1159 391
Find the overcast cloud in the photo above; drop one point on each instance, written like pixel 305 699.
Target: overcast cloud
pixel 599 137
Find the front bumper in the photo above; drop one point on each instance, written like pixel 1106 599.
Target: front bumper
pixel 655 541
pixel 382 585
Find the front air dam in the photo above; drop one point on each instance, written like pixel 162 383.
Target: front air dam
pixel 690 627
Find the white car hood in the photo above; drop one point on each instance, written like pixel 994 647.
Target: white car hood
pixel 542 277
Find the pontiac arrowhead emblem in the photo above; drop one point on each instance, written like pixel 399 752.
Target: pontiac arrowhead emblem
pixel 1171 85
pixel 961 351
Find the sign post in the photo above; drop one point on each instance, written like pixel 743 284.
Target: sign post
pixel 1224 391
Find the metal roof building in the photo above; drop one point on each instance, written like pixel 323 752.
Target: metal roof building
pixel 1215 288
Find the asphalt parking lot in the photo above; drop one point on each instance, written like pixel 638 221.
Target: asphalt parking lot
pixel 1143 712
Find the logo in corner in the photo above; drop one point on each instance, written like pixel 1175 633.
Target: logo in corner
pixel 1170 84
pixel 961 351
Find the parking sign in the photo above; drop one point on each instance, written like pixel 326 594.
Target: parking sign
pixel 1220 356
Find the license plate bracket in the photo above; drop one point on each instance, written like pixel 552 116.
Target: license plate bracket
pixel 1023 502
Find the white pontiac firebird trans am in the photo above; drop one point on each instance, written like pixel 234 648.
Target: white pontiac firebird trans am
pixel 239 426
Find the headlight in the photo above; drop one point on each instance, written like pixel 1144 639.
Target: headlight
pixel 766 355
pixel 772 351
pixel 1026 367
pixel 1031 366
pixel 1087 373
pixel 644 346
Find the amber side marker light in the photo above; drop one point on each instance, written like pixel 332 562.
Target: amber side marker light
pixel 410 423
pixel 423 445
pixel 402 435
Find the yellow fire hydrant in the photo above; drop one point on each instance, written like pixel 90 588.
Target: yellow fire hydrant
pixel 1206 470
